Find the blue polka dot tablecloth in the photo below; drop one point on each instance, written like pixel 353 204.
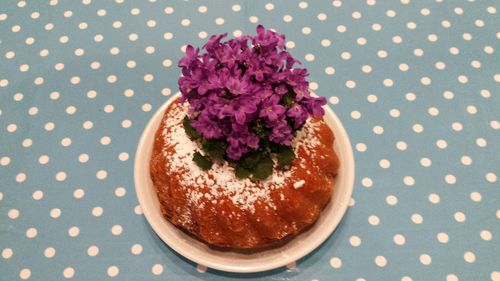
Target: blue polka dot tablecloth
pixel 415 83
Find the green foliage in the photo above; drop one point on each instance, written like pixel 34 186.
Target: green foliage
pixel 190 130
pixel 202 161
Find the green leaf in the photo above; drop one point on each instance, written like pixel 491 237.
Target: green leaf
pixel 251 159
pixel 288 99
pixel 202 161
pixel 264 169
pixel 285 156
pixel 242 173
pixel 216 149
pixel 190 130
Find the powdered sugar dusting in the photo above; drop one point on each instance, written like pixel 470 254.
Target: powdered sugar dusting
pixel 220 182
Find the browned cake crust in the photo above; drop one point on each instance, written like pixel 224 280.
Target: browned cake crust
pixel 224 211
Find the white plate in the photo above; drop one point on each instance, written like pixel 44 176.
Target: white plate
pixel 200 253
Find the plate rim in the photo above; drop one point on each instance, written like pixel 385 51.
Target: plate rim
pixel 153 216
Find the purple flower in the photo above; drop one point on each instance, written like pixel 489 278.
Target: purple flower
pixel 235 84
pixel 271 109
pixel 298 113
pixel 207 127
pixel 240 108
pixel 314 105
pixel 281 133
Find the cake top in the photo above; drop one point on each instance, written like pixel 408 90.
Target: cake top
pixel 221 180
pixel 247 101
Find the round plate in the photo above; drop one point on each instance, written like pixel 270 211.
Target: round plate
pixel 200 253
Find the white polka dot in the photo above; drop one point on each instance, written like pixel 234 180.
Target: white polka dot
pixel 44 159
pixel 334 100
pixel 454 51
pixel 49 126
pixel 101 12
pixel 5 160
pixel 287 18
pixel 105 140
pixel 337 3
pixel 70 110
pixel 463 79
pixel 456 126
pixel 475 196
pixel 120 191
pixel 269 6
pixel 361 41
pixel 388 82
pixel 148 77
pixel 469 257
pixel 290 44
pixel 126 123
pixel 151 23
pixel 373 220
pixel 425 12
pixel 417 218
pixel 21 177
pixel 109 108
pixel 97 211
pixel 138 210
pixel 486 235
pixel 372 98
pixel 322 17
pixel 168 36
pixel 60 176
pixel 440 65
pixel 169 10
pixel 253 19
pixel 25 273
pixel 329 70
pixel 367 182
pixel 113 271
pixel 451 277
pixel 366 69
pixel 459 216
pixel 219 21
pixel 236 33
pixel 425 259
pixel 382 54
pixel 98 37
pixel 425 81
pixel 236 8
pixel 7 253
pixel 13 214
pixel 37 195
pixel 146 107
pixel 73 231
pixel 434 198
pixel 448 95
pixel 202 269
pixel 475 64
pixel 117 229
pixel 136 249
pixel 49 252
pixel 494 124
pixel 417 128
pixel 404 67
pixel 309 57
pixel 157 269
pixel 443 237
pixel 401 145
pixel 355 241
pixel 376 27
pixel 397 39
pixel 345 55
pixel 391 200
pixel 78 193
pixel 399 239
pixel 133 37
pixel 384 163
pixel 10 55
pixel 491 177
pixel 432 37
pixel 16 28
pixel 303 5
pixel 101 174
pixel 450 179
pixel 378 130
pixel 83 158
pixel 95 65
pixel 55 213
pixel 87 125
pixel 69 272
pixel 123 156
pixel 340 28
pixel 380 261
pixel 11 128
pixel 313 86
pixel 306 30
pixel 466 160
pixel 425 162
pixel 458 11
pixel 335 262
pixel 361 147
pixel 355 114
pixel 350 84
pixel 410 96
pixel 27 143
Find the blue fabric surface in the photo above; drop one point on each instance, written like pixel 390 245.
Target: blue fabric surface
pixel 415 83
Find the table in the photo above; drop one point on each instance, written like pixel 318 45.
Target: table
pixel 415 83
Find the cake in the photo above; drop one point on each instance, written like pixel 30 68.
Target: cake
pixel 247 181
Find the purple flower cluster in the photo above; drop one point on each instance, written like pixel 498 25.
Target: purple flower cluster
pixel 245 90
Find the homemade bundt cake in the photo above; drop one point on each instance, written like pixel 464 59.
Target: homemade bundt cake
pixel 243 159
pixel 223 210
